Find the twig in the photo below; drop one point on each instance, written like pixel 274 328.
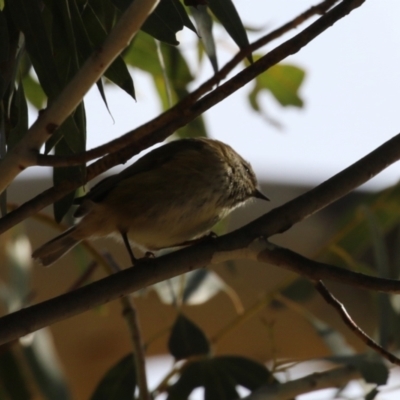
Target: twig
pixel 144 137
pixel 24 153
pixel 130 314
pixel 242 318
pixel 314 270
pixel 346 318
pixel 120 143
pixel 150 271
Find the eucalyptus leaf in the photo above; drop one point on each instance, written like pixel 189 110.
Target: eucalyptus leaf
pixel 18 117
pixel 187 339
pixel 34 92
pixel 93 35
pixel 283 81
pixel 119 382
pixel 62 206
pixel 28 18
pixel 204 26
pixel 299 290
pixel 371 367
pixel 353 235
pixel 12 377
pixel 4 38
pixel 168 18
pixel 227 14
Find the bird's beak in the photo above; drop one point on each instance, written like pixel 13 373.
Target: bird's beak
pixel 257 194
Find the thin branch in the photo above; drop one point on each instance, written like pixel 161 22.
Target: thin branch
pixel 144 139
pixel 337 377
pixel 117 144
pixel 24 153
pixel 130 313
pixel 150 271
pixel 346 318
pixel 266 252
pixel 282 218
pixel 239 320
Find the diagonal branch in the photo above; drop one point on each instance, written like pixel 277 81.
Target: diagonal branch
pixel 346 318
pixel 24 153
pixel 152 132
pixel 282 218
pixel 119 143
pixel 150 271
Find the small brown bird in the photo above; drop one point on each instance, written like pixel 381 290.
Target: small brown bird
pixel 173 194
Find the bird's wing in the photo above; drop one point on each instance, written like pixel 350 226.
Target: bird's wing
pixel 150 161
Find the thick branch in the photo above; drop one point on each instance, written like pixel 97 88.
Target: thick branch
pixel 282 218
pixel 150 271
pixel 24 153
pixel 235 245
pixel 153 132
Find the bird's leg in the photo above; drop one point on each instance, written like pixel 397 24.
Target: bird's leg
pixel 128 246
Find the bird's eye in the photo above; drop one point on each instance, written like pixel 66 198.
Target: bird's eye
pixel 247 169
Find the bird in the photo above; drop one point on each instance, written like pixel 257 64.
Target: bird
pixel 170 197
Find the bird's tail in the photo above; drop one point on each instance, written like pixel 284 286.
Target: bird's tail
pixel 55 248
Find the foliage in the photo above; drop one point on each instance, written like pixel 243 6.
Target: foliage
pixel 42 46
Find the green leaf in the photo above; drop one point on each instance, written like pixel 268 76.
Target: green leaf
pixel 28 17
pixel 165 21
pixel 84 44
pixel 62 206
pixel 184 16
pixel 382 263
pixel 299 290
pixel 4 38
pixel 93 35
pixel 226 13
pixel 142 54
pixel 118 383
pixel 34 92
pixel 220 376
pixel 283 82
pixel 105 11
pixel 371 367
pixel 353 237
pixel 187 339
pixel 204 27
pixel 64 40
pixel 18 117
pixel 12 378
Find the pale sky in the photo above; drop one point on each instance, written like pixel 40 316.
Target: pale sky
pixel 350 93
